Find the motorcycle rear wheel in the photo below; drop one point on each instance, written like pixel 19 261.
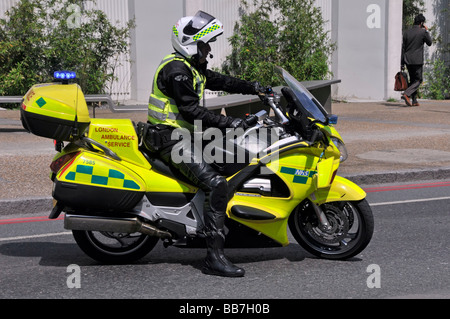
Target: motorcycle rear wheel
pixel 352 227
pixel 114 248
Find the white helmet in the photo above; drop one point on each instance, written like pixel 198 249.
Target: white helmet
pixel 190 30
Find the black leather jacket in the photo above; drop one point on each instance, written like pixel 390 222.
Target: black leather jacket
pixel 176 80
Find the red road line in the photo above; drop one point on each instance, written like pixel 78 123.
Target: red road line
pixel 406 187
pixel 27 220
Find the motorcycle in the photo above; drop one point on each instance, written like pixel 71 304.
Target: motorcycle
pixel 120 200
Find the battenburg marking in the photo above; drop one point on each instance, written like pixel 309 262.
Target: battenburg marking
pixel 300 176
pixel 85 174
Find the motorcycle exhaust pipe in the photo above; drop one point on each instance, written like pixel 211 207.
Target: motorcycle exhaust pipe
pixel 112 224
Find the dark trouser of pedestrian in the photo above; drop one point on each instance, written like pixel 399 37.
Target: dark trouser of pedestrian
pixel 415 79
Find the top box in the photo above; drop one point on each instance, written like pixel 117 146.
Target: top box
pixel 54 110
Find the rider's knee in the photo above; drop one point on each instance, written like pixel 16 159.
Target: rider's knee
pixel 219 184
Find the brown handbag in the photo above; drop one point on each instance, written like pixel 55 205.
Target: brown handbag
pixel 401 81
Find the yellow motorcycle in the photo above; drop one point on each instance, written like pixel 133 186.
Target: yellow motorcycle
pixel 119 199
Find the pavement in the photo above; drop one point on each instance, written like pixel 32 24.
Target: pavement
pixel 387 142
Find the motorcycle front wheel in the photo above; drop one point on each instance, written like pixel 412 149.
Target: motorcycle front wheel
pixel 350 229
pixel 114 248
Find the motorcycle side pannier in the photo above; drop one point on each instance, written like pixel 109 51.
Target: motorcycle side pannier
pixel 56 111
pixel 94 182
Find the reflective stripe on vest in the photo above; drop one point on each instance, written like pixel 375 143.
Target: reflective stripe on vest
pixel 161 108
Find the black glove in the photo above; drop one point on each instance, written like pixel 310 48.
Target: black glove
pixel 261 89
pixel 258 87
pixel 239 123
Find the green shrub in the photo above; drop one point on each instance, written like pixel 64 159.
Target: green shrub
pixel 411 8
pixel 437 80
pixel 38 37
pixel 294 40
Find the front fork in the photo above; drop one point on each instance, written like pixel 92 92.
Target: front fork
pixel 324 223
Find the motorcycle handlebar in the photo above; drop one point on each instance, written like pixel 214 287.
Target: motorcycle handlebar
pixel 269 97
pixel 251 120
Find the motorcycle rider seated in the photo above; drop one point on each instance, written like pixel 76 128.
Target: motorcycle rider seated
pixel 178 87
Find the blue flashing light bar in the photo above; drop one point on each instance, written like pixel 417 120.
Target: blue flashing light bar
pixel 64 75
pixel 332 119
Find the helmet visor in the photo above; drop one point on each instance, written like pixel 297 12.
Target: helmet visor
pixel 198 22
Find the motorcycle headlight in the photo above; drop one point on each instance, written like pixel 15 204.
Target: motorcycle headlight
pixel 341 147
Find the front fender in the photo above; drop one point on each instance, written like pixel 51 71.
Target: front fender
pixel 340 190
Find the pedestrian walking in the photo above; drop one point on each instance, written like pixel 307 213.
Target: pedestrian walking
pixel 412 56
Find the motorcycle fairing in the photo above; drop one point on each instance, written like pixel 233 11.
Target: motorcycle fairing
pixel 340 190
pixel 304 175
pixel 286 166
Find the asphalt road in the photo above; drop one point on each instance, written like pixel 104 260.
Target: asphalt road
pixel 409 257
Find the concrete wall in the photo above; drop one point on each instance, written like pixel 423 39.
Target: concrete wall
pixel 150 41
pixel 368 36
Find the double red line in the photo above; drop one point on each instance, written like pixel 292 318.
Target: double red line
pixel 27 220
pixel 405 187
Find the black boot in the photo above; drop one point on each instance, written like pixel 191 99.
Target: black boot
pixel 216 263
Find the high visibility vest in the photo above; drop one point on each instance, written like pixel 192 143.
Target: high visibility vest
pixel 163 109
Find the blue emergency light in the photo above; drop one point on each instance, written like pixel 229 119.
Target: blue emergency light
pixel 332 119
pixel 64 75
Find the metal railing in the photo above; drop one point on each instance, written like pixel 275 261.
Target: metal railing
pixel 234 102
pixel 90 98
pixel 10 99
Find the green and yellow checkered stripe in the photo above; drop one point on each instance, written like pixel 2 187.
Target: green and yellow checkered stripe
pixel 111 178
pixel 300 176
pixel 175 31
pixel 206 31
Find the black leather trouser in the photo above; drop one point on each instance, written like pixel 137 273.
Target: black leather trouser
pixel 202 175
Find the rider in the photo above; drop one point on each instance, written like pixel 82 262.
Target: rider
pixel 178 87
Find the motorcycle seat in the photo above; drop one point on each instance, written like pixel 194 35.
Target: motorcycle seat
pixel 161 167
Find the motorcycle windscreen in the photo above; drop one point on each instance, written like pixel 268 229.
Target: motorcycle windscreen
pixel 306 99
